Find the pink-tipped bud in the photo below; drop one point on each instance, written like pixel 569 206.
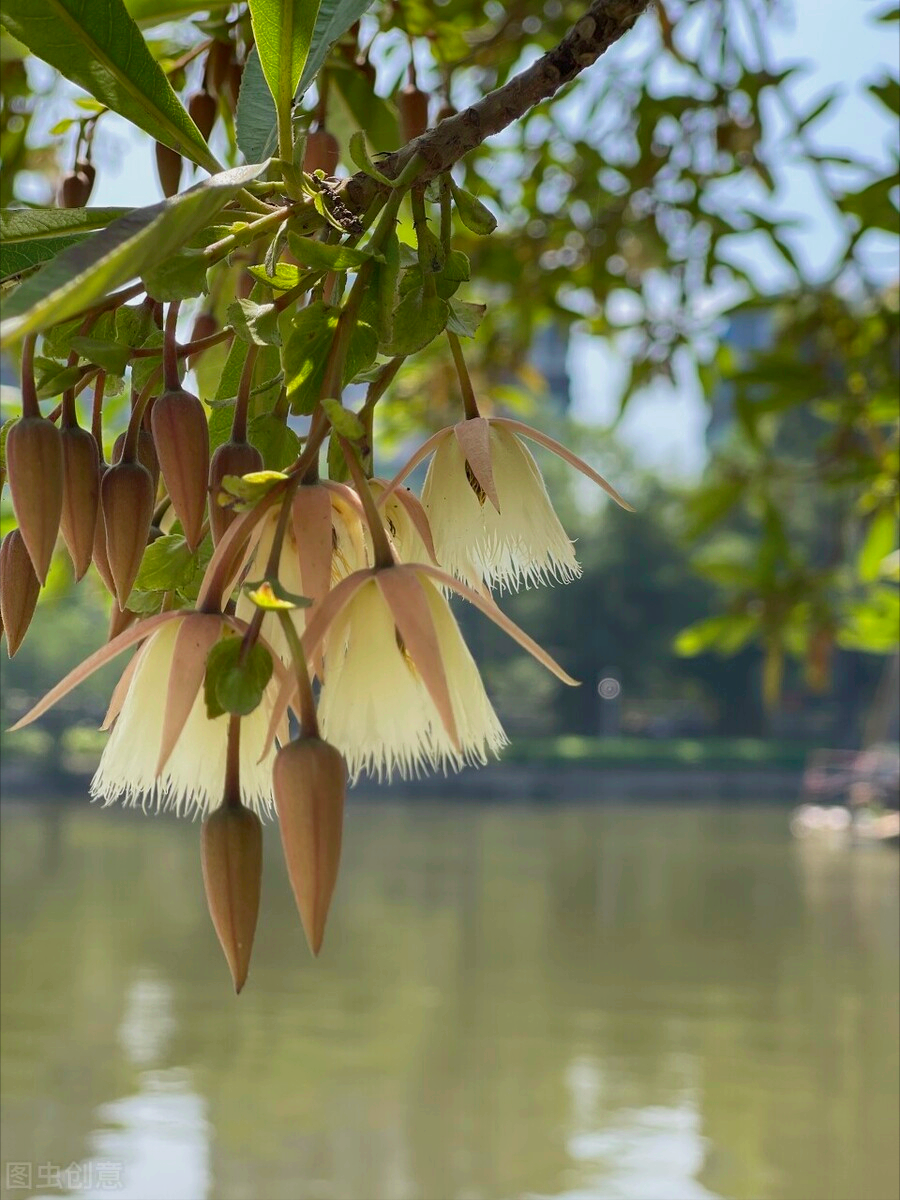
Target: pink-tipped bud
pixel 126 498
pixel 35 464
pixel 232 458
pixel 310 780
pixel 181 437
pixel 19 589
pixel 231 856
pixel 81 495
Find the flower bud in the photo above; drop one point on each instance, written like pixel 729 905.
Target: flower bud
pixel 413 106
pixel 181 437
pixel 232 82
pixel 35 465
pixel 81 495
pixel 205 325
pixel 126 498
pixel 218 61
pixel 168 168
pixel 119 620
pixel 322 152
pixel 310 780
pixel 232 458
pixel 19 589
pixel 231 856
pixel 203 111
pixel 99 554
pixel 146 454
pixel 75 189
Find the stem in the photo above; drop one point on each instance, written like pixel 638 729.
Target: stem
pixel 446 213
pixel 170 349
pixel 68 418
pixel 470 405
pixel 375 391
pixel 383 555
pixel 97 411
pixel 30 406
pixel 309 724
pixel 273 218
pixel 231 797
pixel 129 448
pixel 239 423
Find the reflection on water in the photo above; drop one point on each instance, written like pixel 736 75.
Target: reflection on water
pixel 634 1003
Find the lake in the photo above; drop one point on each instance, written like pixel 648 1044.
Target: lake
pixel 611 1002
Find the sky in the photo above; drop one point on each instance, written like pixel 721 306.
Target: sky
pixel 664 427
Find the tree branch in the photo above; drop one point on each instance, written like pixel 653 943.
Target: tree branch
pixel 601 26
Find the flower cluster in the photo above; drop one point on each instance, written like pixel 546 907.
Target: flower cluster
pixel 324 602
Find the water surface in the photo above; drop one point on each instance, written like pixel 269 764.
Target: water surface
pixel 596 1003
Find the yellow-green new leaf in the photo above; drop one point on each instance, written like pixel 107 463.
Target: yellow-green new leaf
pixel 97 44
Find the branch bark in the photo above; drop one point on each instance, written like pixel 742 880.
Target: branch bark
pixel 601 26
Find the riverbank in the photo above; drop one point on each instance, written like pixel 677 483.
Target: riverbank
pixel 544 770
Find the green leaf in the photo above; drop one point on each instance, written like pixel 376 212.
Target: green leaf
pixel 167 564
pixel 97 45
pixel 276 442
pixel 473 214
pixel 154 12
pixel 417 321
pixel 312 253
pixel 286 276
pixel 465 318
pixel 52 378
pixel 256 122
pixel 306 352
pixel 456 270
pixel 360 155
pixel 254 323
pixel 234 681
pixel 31 236
pixel 343 421
pixel 93 268
pixel 180 277
pixel 283 31
pixel 111 356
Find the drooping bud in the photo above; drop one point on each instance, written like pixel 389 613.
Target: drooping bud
pixel 203 111
pixel 34 462
pixel 205 325
pixel 76 187
pixel 413 106
pixel 146 453
pixel 218 61
pixel 119 620
pixel 231 856
pixel 322 152
pixel 181 437
pixel 19 589
pixel 310 781
pixel 126 498
pixel 99 555
pixel 81 495
pixel 232 458
pixel 232 81
pixel 168 168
